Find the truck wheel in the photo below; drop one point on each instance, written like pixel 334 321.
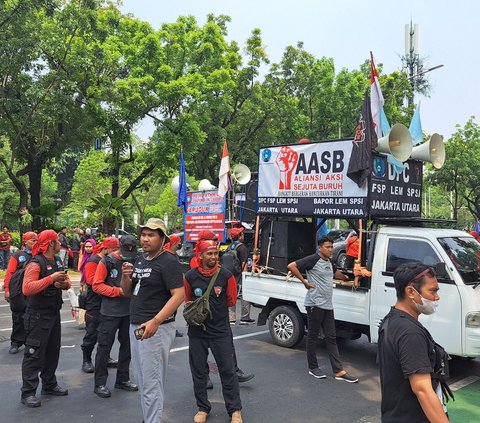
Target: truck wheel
pixel 341 260
pixel 286 326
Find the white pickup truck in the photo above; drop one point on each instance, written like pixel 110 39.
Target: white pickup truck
pixel 455 325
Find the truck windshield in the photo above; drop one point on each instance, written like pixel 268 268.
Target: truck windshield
pixel 465 255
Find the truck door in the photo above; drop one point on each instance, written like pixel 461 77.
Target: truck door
pixel 444 325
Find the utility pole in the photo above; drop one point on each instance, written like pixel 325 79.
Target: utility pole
pixel 411 60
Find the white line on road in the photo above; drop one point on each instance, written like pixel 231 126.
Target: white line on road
pixel 248 335
pixel 463 382
pixel 65 321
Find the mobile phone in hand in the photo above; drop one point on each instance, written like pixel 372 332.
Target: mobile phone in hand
pixel 139 333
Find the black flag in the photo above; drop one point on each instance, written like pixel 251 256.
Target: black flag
pixel 365 141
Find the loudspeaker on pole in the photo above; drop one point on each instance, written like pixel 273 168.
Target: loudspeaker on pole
pixel 432 151
pixel 398 142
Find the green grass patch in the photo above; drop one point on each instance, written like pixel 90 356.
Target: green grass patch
pixel 466 407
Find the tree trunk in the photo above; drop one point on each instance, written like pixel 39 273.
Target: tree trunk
pixel 23 192
pixel 35 181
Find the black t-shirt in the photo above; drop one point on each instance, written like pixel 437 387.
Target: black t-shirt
pixel 152 281
pixel 218 326
pixel 404 348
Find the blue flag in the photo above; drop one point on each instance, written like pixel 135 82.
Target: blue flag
pixel 416 127
pixel 182 189
pixel 384 123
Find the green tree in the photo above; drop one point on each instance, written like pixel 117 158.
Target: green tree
pixel 460 173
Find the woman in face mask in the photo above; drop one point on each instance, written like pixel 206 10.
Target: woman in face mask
pixel 413 367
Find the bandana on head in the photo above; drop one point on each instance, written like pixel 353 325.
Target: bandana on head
pixel 174 239
pixel 203 246
pixel 27 236
pixel 44 239
pixel 109 242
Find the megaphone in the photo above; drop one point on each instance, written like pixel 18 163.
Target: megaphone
pixel 242 174
pixel 205 185
pixel 398 142
pixel 176 184
pixel 432 151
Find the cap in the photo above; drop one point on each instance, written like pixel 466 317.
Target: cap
pixel 155 224
pixel 128 247
pixel 110 242
pixel 235 232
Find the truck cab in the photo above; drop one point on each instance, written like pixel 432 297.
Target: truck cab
pixel 360 309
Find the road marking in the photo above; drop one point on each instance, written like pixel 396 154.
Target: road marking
pixel 248 335
pixel 5 305
pixel 65 321
pixel 67 346
pixel 463 382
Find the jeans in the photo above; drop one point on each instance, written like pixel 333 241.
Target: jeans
pixel 4 258
pixel 319 318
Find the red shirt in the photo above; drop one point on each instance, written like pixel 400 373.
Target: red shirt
pixel 99 286
pixel 32 285
pixel 5 237
pixel 11 269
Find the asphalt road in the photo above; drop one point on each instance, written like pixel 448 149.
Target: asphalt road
pixel 282 390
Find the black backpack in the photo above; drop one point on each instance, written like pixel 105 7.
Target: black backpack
pixel 16 281
pixel 230 260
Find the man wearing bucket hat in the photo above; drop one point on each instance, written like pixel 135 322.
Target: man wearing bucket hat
pixel 155 283
pixel 115 316
pixel 13 294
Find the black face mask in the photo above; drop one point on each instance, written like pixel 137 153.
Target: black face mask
pixel 179 247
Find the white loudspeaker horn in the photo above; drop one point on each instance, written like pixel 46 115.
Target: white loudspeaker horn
pixel 176 184
pixel 242 174
pixel 432 151
pixel 205 185
pixel 398 142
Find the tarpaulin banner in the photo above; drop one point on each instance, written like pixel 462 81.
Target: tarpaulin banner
pixel 395 194
pixel 205 210
pixel 309 180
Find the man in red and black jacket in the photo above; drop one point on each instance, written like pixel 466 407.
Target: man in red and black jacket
pixel 215 334
pixel 93 303
pixel 43 282
pixel 115 315
pixel 15 297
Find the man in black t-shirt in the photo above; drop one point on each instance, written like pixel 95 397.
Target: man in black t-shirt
pixel 155 283
pixel 215 333
pixel 412 366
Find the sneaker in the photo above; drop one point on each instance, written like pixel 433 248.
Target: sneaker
pixel 247 321
pixel 347 378
pixel 237 417
pixel 317 373
pixel 233 322
pixel 200 417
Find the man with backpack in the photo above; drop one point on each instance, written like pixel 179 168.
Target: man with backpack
pixel 43 282
pixel 115 316
pixel 215 332
pixel 235 260
pixel 12 286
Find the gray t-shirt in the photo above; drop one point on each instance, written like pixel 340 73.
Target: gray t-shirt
pixel 320 273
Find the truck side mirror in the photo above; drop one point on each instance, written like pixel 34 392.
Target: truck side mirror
pixel 441 270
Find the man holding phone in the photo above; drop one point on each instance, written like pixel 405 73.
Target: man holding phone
pixel 43 282
pixel 155 283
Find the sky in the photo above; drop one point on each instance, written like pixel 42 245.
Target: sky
pixel 347 30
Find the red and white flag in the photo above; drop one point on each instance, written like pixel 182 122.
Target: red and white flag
pixel 376 98
pixel 224 183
